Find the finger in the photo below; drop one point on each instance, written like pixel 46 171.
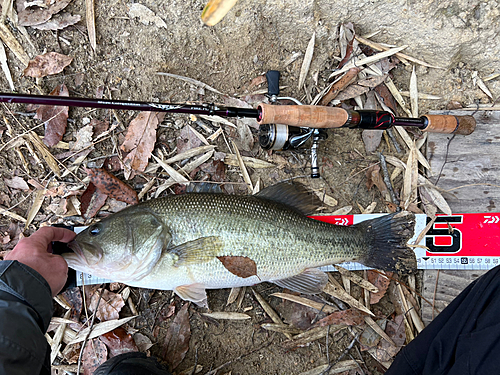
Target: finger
pixel 45 235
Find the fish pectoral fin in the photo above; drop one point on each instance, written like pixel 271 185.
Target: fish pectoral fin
pixel 198 251
pixel 310 281
pixel 194 293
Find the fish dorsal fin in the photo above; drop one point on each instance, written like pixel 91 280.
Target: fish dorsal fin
pixel 194 293
pixel 198 251
pixel 203 187
pixel 294 195
pixel 310 281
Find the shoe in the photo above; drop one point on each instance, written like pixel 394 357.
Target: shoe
pixel 133 363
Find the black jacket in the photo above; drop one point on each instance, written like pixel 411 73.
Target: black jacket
pixel 25 312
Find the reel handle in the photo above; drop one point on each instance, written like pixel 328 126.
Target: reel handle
pixel 273 83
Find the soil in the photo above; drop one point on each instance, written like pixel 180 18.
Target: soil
pixel 255 36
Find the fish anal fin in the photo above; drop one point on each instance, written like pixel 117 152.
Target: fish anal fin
pixel 195 293
pixel 310 281
pixel 201 250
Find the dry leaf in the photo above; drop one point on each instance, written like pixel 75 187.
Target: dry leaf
pixel 112 186
pixel 307 61
pixel 92 201
pixel 36 16
pixel 59 22
pixel 47 64
pixel 16 183
pixel 90 18
pixel 146 16
pixel 143 342
pixel 118 342
pixel 414 93
pixel 109 307
pixel 350 317
pixel 54 117
pixel 177 338
pixel 381 282
pixel 100 329
pixel 73 297
pixel 374 178
pixel 187 140
pixel 94 355
pixel 227 315
pixel 351 92
pixel 240 266
pixel 139 141
pixel 396 331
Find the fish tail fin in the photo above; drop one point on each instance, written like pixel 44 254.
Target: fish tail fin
pixel 387 237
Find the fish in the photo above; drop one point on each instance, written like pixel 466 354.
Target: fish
pixel 192 242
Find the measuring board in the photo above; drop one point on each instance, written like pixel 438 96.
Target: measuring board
pixel 455 242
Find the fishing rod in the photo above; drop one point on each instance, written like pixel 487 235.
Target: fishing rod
pixel 310 116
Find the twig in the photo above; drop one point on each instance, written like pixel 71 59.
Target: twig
pixel 387 179
pixel 395 142
pixel 349 347
pixel 88 333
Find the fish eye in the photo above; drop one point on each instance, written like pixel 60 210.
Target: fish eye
pixel 94 230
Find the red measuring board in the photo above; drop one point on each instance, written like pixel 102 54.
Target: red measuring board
pixel 458 241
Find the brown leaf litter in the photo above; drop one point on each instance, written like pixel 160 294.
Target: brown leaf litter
pixel 47 64
pixel 54 117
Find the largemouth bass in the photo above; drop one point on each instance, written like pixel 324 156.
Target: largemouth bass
pixel 193 242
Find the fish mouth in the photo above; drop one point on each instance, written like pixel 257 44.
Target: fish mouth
pixel 79 256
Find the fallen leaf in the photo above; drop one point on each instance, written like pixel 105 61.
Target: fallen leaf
pixel 245 139
pixel 187 140
pixel 99 126
pixel 369 338
pixel 396 331
pixel 306 63
pixel 94 355
pixel 118 341
pixel 139 141
pixel 59 22
pixel 239 265
pixel 381 282
pixel 16 182
pixel 166 312
pixel 224 315
pixel 36 16
pixel 92 201
pixel 47 64
pixel 54 117
pixel 73 298
pixel 177 338
pixel 109 307
pixel 100 329
pixel 352 91
pixel 112 186
pixel 83 138
pixel 350 317
pixel 374 178
pixel 146 16
pixel 143 342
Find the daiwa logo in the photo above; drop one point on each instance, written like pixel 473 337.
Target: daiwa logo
pixel 441 239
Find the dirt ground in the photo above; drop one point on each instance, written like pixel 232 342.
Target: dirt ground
pixel 253 38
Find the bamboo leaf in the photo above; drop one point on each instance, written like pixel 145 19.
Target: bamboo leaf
pixel 307 61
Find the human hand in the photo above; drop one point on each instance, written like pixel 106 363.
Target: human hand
pixel 34 251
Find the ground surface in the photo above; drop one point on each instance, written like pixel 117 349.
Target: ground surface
pixel 256 36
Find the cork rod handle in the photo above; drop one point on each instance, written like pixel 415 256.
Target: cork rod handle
pixel 303 115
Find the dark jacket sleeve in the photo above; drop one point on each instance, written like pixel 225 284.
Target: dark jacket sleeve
pixel 25 313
